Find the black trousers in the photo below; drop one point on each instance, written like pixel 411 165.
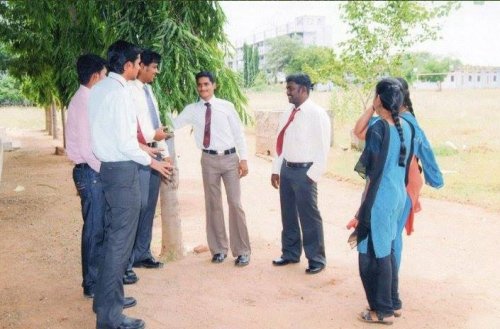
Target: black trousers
pixel 299 212
pixel 380 281
pixel 121 189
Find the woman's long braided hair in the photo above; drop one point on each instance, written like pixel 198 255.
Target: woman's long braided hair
pixel 406 93
pixel 391 95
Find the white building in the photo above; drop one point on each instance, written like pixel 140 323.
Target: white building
pixel 467 77
pixel 310 30
pixel 473 77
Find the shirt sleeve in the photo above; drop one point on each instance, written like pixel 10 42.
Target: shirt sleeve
pixel 83 140
pixel 126 130
pixel 237 131
pixel 423 151
pixel 163 145
pixel 320 138
pixel 183 119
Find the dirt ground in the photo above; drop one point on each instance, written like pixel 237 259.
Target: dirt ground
pixel 448 278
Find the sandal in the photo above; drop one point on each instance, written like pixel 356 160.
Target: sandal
pixel 366 316
pixel 397 313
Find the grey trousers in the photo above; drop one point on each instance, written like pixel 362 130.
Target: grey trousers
pixel 123 198
pixel 149 181
pixel 214 169
pixel 299 211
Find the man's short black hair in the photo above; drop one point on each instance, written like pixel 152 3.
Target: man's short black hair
pixel 88 64
pixel 148 56
pixel 301 79
pixel 120 53
pixel 205 74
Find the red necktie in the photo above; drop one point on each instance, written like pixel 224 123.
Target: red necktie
pixel 208 119
pixel 140 136
pixel 281 136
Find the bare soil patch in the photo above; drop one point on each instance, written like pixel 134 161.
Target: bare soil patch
pixel 449 276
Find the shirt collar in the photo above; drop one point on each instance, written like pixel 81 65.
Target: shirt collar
pixel 117 77
pixel 139 83
pixel 211 100
pixel 305 104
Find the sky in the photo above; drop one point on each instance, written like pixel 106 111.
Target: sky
pixel 471 34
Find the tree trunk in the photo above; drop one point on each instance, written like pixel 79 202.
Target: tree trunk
pixel 63 123
pixel 48 122
pixel 171 244
pixel 54 120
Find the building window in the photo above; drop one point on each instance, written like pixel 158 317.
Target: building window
pixel 470 78
pixel 452 78
pixel 478 78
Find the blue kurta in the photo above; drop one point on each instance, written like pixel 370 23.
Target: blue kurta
pixel 390 195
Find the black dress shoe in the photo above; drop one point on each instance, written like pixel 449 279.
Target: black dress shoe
pixel 149 263
pixel 131 323
pixel 130 277
pixel 314 269
pixel 88 292
pixel 282 262
pixel 242 260
pixel 218 258
pixel 129 302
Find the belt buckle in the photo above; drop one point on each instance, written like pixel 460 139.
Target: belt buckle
pixel 220 152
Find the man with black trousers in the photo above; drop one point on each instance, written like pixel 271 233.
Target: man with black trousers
pixel 302 149
pixel 152 135
pixel 113 123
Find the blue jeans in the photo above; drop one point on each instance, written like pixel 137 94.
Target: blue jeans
pixel 89 187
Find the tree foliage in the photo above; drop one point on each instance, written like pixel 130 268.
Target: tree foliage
pixel 320 63
pixel 45 38
pixel 427 66
pixel 250 65
pixel 381 33
pixel 281 52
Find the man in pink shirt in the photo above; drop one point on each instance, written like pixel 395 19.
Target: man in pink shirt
pixel 91 69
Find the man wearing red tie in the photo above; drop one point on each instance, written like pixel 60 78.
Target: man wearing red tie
pixel 302 149
pixel 218 132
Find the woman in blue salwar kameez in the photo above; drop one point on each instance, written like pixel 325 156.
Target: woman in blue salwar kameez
pixel 383 163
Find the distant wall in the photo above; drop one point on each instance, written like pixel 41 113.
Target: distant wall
pixel 266 129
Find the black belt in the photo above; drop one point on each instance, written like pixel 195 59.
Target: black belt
pixel 226 152
pixel 81 165
pixel 152 144
pixel 298 164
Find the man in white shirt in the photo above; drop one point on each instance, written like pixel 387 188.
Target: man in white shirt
pixel 302 149
pixel 113 124
pixel 218 132
pixel 149 180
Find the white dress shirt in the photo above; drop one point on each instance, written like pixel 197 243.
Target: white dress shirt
pixel 226 129
pixel 141 105
pixel 307 139
pixel 113 122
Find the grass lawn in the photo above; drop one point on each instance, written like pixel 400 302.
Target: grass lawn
pixel 462 125
pixel 468 120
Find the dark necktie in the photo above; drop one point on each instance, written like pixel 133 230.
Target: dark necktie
pixel 208 119
pixel 152 109
pixel 281 136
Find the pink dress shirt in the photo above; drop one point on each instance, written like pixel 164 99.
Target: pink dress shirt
pixel 78 144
